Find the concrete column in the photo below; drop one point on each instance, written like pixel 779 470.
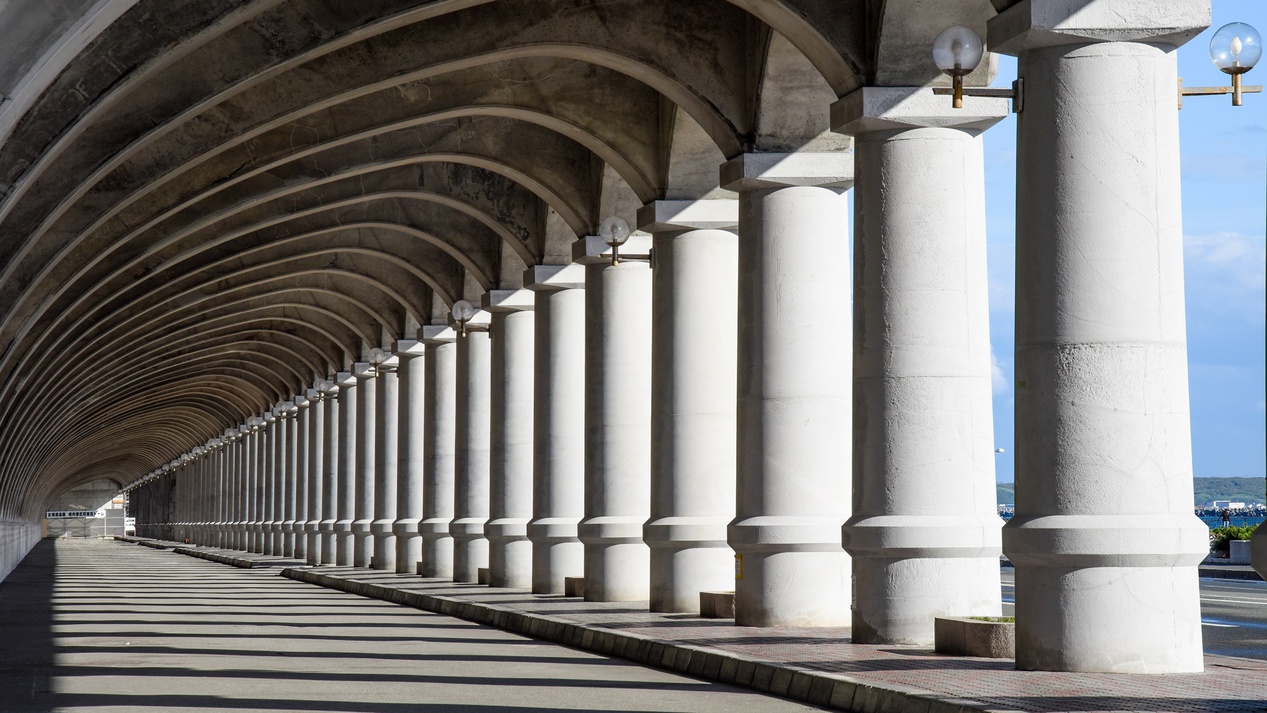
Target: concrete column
pixel 793 420
pixel 510 438
pixel 558 466
pixel 412 384
pixel 262 473
pixel 268 525
pixel 345 514
pixel 241 467
pixel 471 461
pixel 617 421
pixel 925 534
pixel 1104 539
pixel 281 411
pixel 289 425
pixel 329 474
pixel 362 524
pixel 439 425
pixel 386 409
pixel 300 456
pixel 316 469
pixel 694 297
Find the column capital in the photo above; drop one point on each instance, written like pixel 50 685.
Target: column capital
pixel 1031 24
pixel 900 108
pixel 362 370
pixel 438 334
pixel 509 301
pixel 555 277
pixel 301 401
pixel 410 348
pixel 591 250
pixel 707 214
pixel 346 378
pixel 829 169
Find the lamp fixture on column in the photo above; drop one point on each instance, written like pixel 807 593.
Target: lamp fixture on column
pixel 957 51
pixel 615 231
pixel 254 422
pixel 323 388
pixel 1234 49
pixel 378 361
pixel 463 312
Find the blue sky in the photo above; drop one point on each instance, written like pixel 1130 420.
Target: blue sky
pixel 1224 174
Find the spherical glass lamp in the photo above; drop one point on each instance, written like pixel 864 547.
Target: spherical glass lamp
pixel 958 50
pixel 615 232
pixel 463 311
pixel 1236 48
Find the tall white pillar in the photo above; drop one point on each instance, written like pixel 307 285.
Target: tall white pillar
pixel 925 534
pixel 316 469
pixel 793 422
pixel 386 408
pixel 409 453
pixel 280 426
pixel 558 467
pixel 366 426
pixel 510 438
pixel 302 430
pixel 329 474
pixel 617 421
pixel 269 524
pixel 439 424
pixel 242 465
pixel 1104 539
pixel 290 495
pixel 694 298
pixel 345 511
pixel 470 468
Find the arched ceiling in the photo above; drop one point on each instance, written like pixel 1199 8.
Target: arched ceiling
pixel 206 204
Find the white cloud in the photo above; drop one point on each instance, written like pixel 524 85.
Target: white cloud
pixel 1227 256
pixel 998 380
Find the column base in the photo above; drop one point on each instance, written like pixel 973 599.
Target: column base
pixel 617 561
pixel 470 549
pixel 689 555
pixel 384 546
pixel 408 545
pixel 896 600
pixel 556 553
pixel 509 553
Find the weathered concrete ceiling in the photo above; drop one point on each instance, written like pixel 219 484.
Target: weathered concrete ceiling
pixel 206 204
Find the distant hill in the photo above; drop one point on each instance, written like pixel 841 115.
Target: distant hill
pixel 1247 490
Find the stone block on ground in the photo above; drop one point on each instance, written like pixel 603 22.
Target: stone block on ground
pixel 960 636
pixel 717 605
pixel 573 586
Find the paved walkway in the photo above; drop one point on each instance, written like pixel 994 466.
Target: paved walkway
pixel 814 665
pixel 91 625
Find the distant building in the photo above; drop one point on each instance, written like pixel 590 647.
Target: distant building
pixel 1228 504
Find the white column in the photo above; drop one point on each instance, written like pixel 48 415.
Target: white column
pixel 282 411
pixel 290 446
pixel 268 524
pixel 925 534
pixel 366 426
pixel 510 438
pixel 409 454
pixel 386 408
pixel 1104 539
pixel 300 456
pixel 345 512
pixel 316 468
pixel 558 467
pixel 439 423
pixel 617 421
pixel 470 468
pixel 241 465
pixel 329 475
pixel 694 298
pixel 793 420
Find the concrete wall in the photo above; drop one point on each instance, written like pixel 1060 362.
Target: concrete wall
pixel 95 496
pixel 16 539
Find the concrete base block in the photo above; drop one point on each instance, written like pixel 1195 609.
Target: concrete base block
pixel 481 575
pixel 1238 550
pixel 418 569
pixel 717 605
pixel 573 586
pixel 974 637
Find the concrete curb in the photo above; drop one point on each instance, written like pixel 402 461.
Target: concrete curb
pixel 787 681
pixel 1216 572
pixel 215 557
pixel 145 543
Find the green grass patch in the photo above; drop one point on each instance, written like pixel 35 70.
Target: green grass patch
pixel 995 619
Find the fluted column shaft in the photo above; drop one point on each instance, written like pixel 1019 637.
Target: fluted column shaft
pixel 386 410
pixel 439 422
pixel 366 424
pixel 471 464
pixel 345 513
pixel 316 470
pixel 510 439
pixel 409 455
